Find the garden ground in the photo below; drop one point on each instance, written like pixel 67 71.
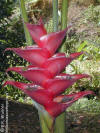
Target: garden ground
pixel 23 118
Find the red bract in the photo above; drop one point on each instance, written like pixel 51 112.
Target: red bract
pixel 59 84
pixel 48 83
pixel 34 55
pixel 64 101
pixel 36 31
pixel 35 74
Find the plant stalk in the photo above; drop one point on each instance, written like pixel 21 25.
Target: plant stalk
pixel 46 122
pixel 64 14
pixel 49 125
pixel 25 19
pixel 55 15
pixel 60 123
pixel 43 125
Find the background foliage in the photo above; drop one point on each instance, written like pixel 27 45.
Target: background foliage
pixel 11 35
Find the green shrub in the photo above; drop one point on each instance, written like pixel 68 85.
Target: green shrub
pixel 11 35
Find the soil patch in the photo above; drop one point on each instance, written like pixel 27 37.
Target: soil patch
pixel 23 118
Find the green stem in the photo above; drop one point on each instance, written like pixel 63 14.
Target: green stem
pixel 55 15
pixel 46 122
pixel 64 15
pixel 44 128
pixel 60 123
pixel 25 19
pixel 49 125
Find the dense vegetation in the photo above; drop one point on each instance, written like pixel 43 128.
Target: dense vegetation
pixel 11 35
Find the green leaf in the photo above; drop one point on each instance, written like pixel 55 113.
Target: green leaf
pixel 81 47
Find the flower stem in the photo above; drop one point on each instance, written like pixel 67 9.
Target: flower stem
pixel 25 19
pixel 44 128
pixel 50 125
pixel 60 123
pixel 55 15
pixel 64 15
pixel 46 122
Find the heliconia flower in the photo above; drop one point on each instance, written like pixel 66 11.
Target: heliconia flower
pixel 48 41
pixel 23 86
pixel 59 84
pixel 35 74
pixel 36 31
pixel 57 63
pixel 45 71
pixel 52 41
pixel 61 103
pixel 34 55
pixel 32 90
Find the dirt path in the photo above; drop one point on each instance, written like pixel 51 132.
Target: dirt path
pixel 85 21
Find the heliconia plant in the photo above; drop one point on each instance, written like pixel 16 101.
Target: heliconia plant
pixel 48 82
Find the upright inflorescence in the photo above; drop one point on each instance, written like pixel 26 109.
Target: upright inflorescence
pixel 45 71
